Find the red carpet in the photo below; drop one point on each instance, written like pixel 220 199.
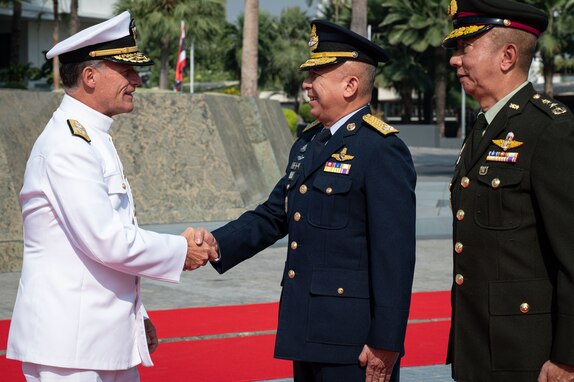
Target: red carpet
pixel 249 357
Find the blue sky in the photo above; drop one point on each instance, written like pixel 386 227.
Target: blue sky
pixel 274 7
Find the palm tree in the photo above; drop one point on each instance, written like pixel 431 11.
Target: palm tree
pixel 55 39
pixel 552 44
pixel 15 32
pixel 250 44
pixel 359 17
pixel 74 19
pixel 420 26
pixel 290 50
pixel 268 43
pixel 159 23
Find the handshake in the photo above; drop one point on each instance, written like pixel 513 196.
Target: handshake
pixel 201 248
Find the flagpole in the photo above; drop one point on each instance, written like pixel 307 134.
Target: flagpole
pixel 191 66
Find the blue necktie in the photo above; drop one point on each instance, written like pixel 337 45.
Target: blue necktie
pixel 319 142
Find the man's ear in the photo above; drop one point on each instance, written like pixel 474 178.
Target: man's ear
pixel 89 76
pixel 351 87
pixel 509 57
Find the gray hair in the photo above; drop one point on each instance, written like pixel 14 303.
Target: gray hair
pixel 70 73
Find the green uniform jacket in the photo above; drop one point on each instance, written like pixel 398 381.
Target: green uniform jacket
pixel 513 244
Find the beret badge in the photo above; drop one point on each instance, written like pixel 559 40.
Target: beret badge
pixel 452 8
pixel 134 29
pixel 314 39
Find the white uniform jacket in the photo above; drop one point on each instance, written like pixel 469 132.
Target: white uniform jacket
pixel 78 302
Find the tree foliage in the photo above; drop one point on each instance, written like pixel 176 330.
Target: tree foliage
pixel 557 42
pixel 158 23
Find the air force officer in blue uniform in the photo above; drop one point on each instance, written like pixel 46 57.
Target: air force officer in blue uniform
pixel 347 203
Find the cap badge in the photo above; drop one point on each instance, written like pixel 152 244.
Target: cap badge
pixel 508 142
pixel 452 8
pixel 342 155
pixel 134 30
pixel 314 39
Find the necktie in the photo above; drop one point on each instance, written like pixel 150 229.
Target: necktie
pixel 478 131
pixel 319 142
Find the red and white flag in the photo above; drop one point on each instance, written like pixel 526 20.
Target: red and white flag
pixel 181 59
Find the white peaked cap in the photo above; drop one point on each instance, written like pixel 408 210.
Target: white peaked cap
pixel 113 40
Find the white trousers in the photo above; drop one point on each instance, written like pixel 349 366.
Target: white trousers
pixel 41 373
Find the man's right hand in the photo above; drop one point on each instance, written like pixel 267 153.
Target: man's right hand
pixel 201 248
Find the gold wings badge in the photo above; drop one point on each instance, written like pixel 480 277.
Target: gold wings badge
pixel 342 155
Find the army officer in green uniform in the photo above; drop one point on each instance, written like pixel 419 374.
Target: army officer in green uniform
pixel 512 198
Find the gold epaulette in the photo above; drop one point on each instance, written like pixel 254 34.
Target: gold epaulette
pixel 549 105
pixel 379 125
pixel 78 130
pixel 310 126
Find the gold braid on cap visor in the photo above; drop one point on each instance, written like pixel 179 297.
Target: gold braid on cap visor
pixel 462 31
pixel 111 52
pixel 322 58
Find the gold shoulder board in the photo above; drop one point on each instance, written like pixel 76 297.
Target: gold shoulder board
pixel 311 126
pixel 379 125
pixel 78 130
pixel 549 105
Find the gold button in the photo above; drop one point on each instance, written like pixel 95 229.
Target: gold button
pixel 294 245
pixel 465 182
pixel 459 215
pixel 495 183
pixel 124 186
pixel 288 186
pixel 449 186
pixel 291 274
pixel 303 189
pixel 297 216
pixel 459 279
pixel 329 191
pixel 340 291
pixel 458 247
pixel 524 307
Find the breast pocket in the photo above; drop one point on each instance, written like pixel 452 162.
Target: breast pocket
pixel 329 207
pixel 499 199
pixel 117 191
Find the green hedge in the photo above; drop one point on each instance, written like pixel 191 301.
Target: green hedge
pixel 291 118
pixel 305 113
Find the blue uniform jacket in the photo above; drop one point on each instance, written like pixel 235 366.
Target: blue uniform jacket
pixel 350 216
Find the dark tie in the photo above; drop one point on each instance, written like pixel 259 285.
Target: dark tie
pixel 478 131
pixel 319 142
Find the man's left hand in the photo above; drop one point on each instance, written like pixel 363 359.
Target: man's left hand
pixel 379 363
pixel 556 372
pixel 151 335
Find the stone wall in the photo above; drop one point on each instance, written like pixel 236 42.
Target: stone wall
pixel 188 157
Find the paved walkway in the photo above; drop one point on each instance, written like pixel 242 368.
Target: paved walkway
pixel 257 280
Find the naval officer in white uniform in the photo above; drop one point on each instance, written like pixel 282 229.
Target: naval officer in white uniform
pixel 78 314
